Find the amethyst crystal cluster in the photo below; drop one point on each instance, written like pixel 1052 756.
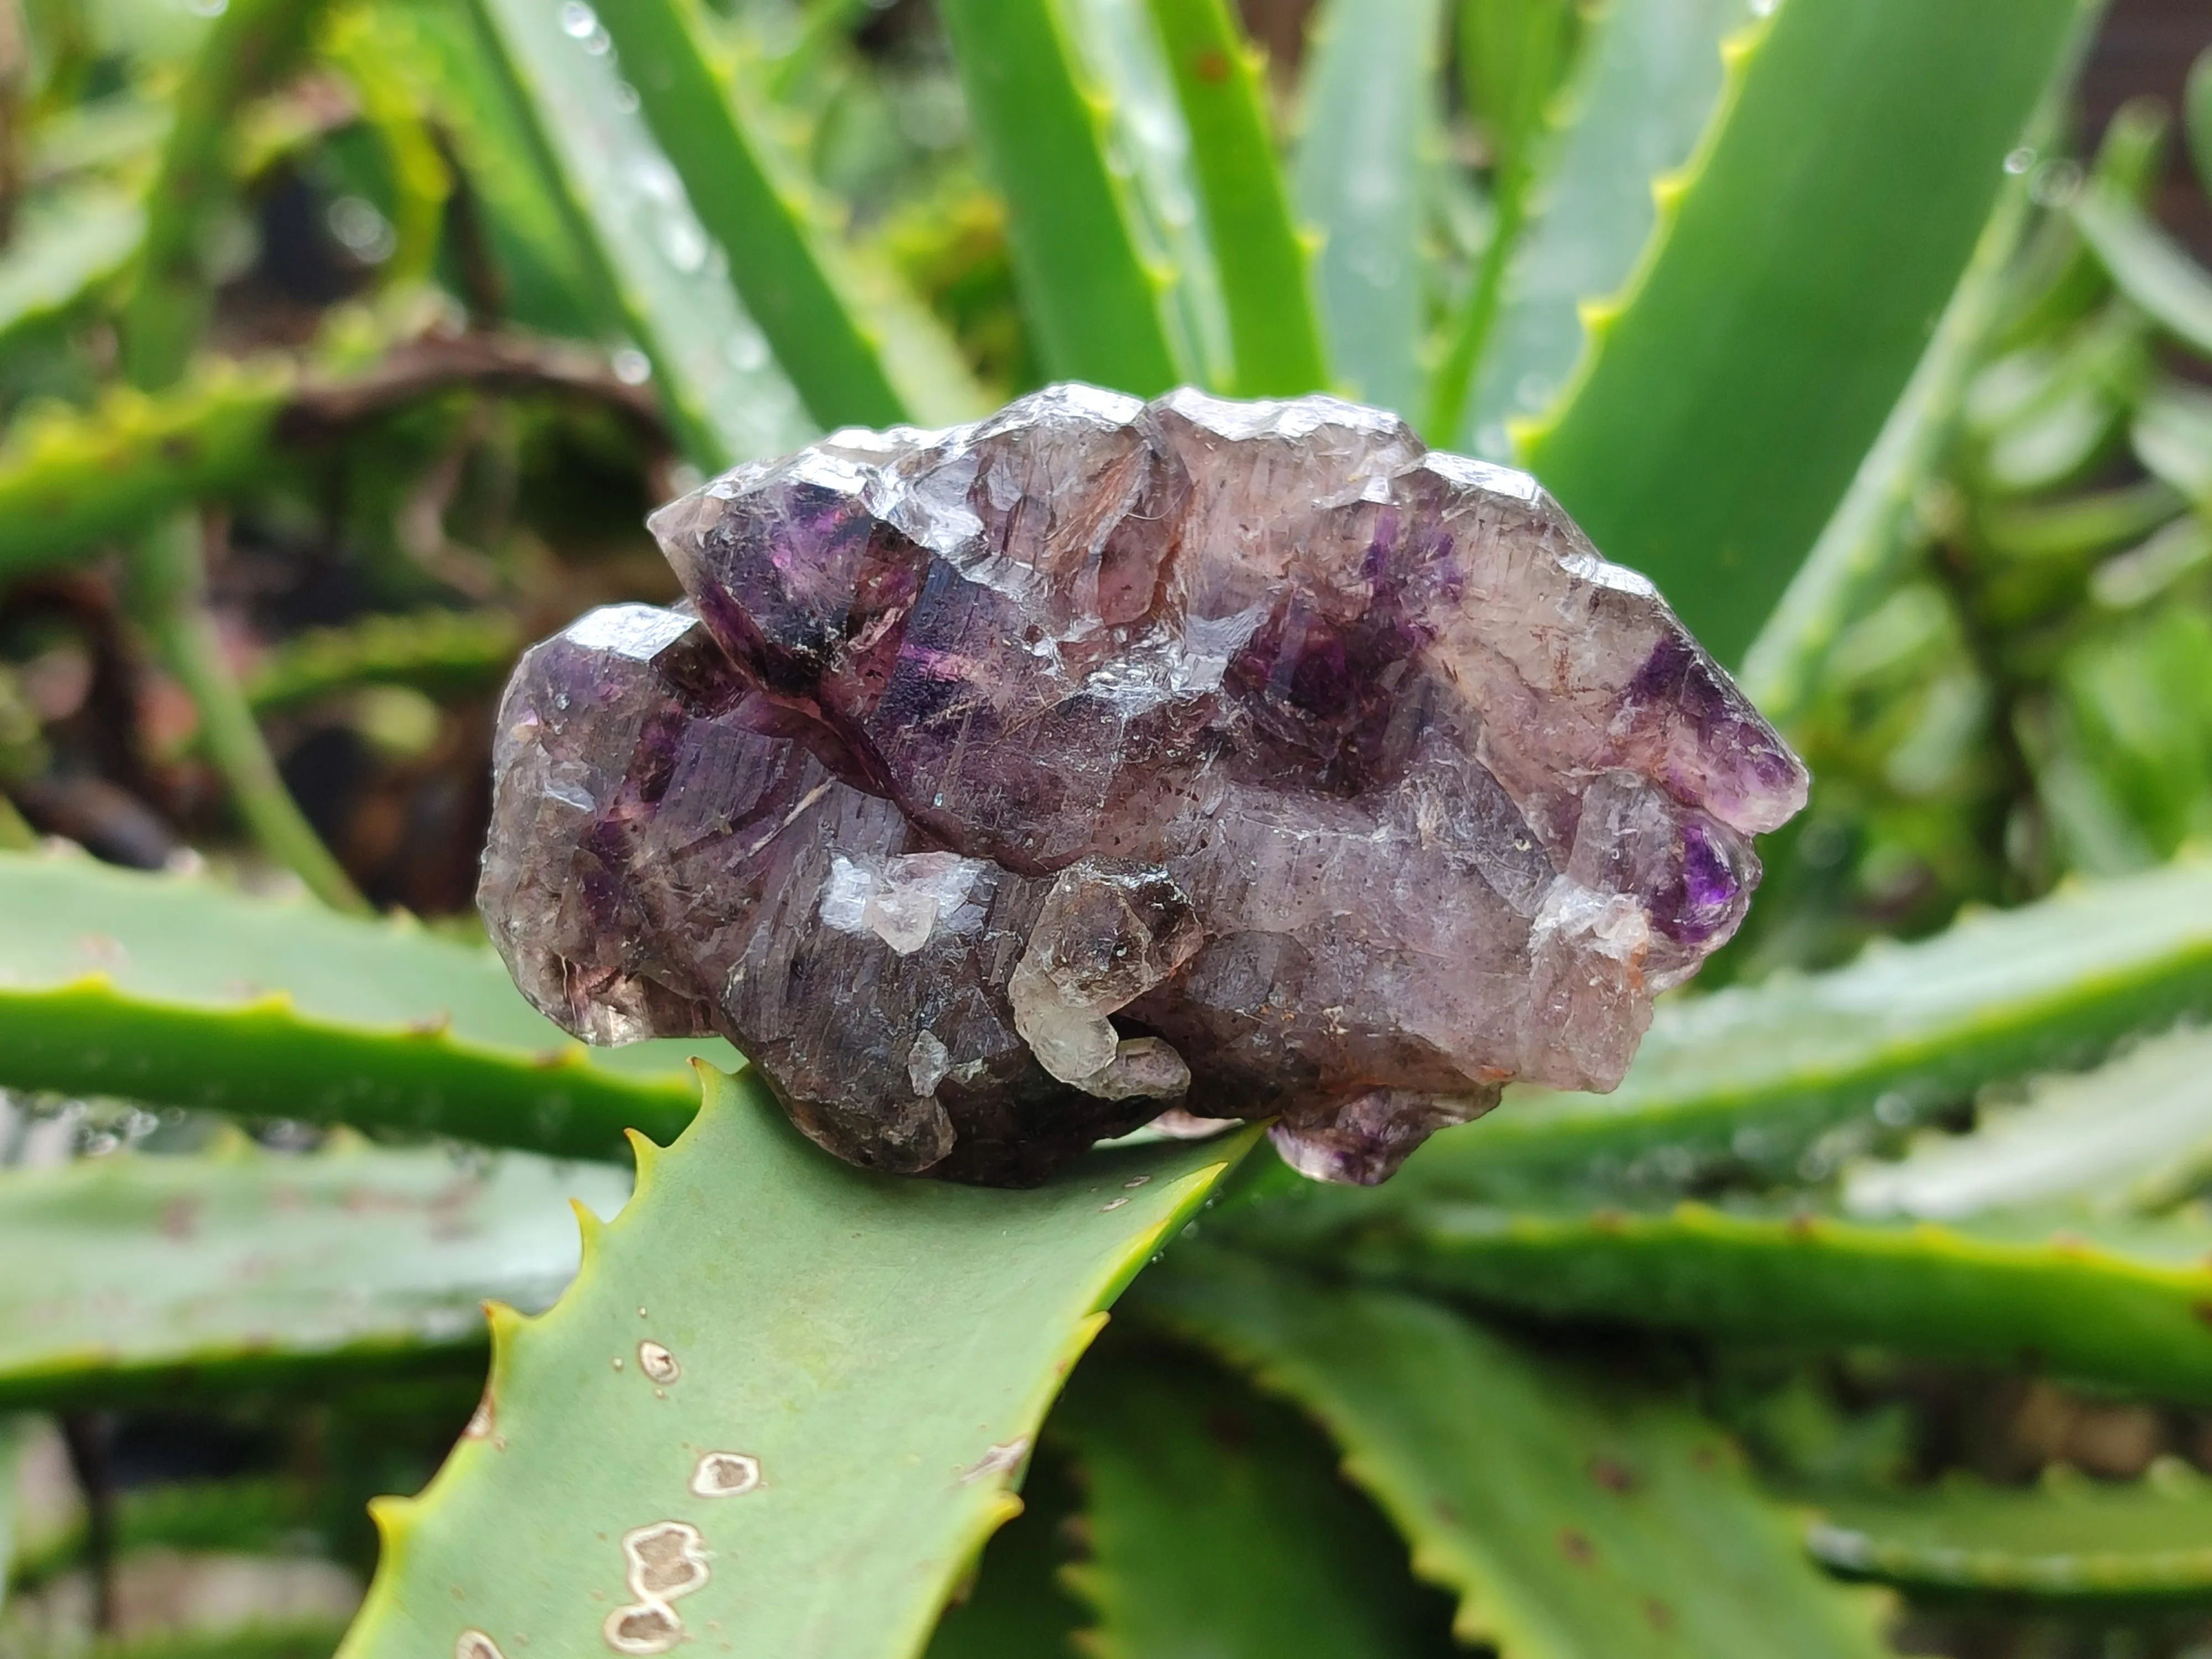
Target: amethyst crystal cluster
pixel 1002 788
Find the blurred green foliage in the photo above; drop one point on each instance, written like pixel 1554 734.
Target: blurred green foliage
pixel 342 347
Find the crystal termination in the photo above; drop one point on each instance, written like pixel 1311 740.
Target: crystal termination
pixel 1003 789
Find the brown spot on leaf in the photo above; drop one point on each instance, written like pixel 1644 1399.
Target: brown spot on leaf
pixel 657 1362
pixel 1661 1615
pixel 665 1561
pixel 475 1644
pixel 649 1627
pixel 1212 67
pixel 1614 1474
pixel 1576 1547
pixel 180 1219
pixel 726 1474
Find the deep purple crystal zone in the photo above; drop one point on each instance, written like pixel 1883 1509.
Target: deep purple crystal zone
pixel 1010 786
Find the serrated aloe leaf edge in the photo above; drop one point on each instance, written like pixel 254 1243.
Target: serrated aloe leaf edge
pixel 1575 1518
pixel 806 1390
pixel 1090 294
pixel 1749 1078
pixel 2066 1541
pixel 1724 400
pixel 1215 1522
pixel 138 1277
pixel 2120 1306
pixel 1644 84
pixel 655 270
pixel 173 991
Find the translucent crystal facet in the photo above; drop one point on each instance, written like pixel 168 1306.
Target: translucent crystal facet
pixel 1001 788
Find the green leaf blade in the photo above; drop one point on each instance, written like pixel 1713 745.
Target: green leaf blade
pixel 1576 1520
pixel 247 47
pixel 123 1277
pixel 656 270
pixel 1090 291
pixel 1866 540
pixel 1648 75
pixel 867 1356
pixel 2148 266
pixel 2134 1134
pixel 167 990
pixel 799 283
pixel 1217 1527
pixel 66 250
pixel 1368 137
pixel 72 479
pixel 1749 1079
pixel 1718 414
pixel 2122 1306
pixel 2068 1541
pixel 1264 264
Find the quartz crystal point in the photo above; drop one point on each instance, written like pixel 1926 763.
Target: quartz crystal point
pixel 1002 788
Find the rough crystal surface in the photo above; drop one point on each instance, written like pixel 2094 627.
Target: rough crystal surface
pixel 1004 787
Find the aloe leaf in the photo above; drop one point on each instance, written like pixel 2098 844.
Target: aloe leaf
pixel 1647 75
pixel 1090 288
pixel 130 1276
pixel 808 293
pixel 1218 1527
pixel 1724 400
pixel 444 653
pixel 1868 536
pixel 2060 280
pixel 1017 1609
pixel 70 479
pixel 1750 1078
pixel 1369 136
pixel 421 183
pixel 246 48
pixel 2114 1138
pixel 782 1404
pixel 2172 438
pixel 1512 55
pixel 539 277
pixel 652 261
pixel 2148 266
pixel 2103 1302
pixel 1575 1518
pixel 169 990
pixel 2069 1540
pixel 1265 265
pixel 1149 142
pixel 63 252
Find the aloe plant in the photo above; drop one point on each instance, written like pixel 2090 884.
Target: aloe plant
pixel 1801 307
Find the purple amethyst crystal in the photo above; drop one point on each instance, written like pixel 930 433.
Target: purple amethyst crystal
pixel 1004 787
